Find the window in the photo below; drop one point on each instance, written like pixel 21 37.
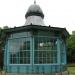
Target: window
pixel 45 50
pixel 19 50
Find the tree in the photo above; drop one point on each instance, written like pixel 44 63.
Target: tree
pixel 2 42
pixel 71 48
pixel 1 49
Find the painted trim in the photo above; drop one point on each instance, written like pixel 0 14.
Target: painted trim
pixel 65 50
pixel 47 64
pixel 19 64
pixel 58 53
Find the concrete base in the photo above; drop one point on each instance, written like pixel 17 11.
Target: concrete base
pixel 63 73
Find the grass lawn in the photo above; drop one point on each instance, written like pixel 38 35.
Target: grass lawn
pixel 71 70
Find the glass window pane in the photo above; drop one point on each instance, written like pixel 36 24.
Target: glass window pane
pixel 45 50
pixel 19 50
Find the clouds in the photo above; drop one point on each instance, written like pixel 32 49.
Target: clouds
pixel 59 13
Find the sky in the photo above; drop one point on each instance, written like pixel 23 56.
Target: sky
pixel 58 13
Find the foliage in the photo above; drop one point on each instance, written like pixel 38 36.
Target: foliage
pixel 2 42
pixel 71 42
pixel 0 48
pixel 71 49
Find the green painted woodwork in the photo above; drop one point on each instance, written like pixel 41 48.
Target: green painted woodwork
pixel 35 52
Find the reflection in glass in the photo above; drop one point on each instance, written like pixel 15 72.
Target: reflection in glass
pixel 45 50
pixel 19 50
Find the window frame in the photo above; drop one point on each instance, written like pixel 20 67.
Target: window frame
pixel 45 50
pixel 29 50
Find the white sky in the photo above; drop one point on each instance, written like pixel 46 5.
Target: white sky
pixel 58 13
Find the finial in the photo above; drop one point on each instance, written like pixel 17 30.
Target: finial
pixel 34 1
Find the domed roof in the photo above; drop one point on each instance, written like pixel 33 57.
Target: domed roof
pixel 34 10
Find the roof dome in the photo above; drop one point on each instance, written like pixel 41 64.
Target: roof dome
pixel 34 10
